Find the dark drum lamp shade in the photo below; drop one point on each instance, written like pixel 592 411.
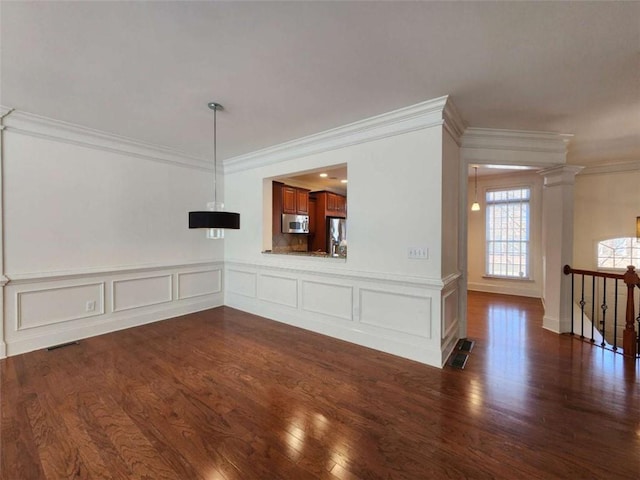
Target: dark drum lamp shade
pixel 208 219
pixel 215 220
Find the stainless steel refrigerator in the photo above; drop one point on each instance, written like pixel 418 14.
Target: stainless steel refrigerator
pixel 337 236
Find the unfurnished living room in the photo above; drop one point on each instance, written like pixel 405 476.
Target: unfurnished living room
pixel 319 240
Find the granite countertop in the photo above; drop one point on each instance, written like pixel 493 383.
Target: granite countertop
pixel 303 254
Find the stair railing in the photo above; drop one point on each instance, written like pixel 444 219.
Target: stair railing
pixel 630 338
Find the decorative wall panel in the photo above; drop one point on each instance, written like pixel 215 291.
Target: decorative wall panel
pixel 393 311
pixel 450 313
pixel 277 289
pixel 195 284
pixel 45 306
pixel 141 292
pixel 328 299
pixel 241 283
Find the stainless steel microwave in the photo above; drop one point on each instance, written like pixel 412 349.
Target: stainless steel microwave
pixel 295 223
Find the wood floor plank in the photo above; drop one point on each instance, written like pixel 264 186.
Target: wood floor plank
pixel 226 395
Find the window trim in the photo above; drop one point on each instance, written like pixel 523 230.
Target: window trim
pixel 612 269
pixel 530 240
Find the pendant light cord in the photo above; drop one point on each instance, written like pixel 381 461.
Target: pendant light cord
pixel 215 159
pixel 476 184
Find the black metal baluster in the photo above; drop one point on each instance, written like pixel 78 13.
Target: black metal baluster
pixel 593 306
pixel 615 319
pixel 582 304
pixel 572 300
pixel 604 310
pixel 638 339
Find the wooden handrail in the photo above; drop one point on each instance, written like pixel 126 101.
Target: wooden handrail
pixel 631 279
pixel 567 270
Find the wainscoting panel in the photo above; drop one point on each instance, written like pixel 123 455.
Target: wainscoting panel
pixel 277 289
pixel 242 283
pixel 45 306
pixel 195 284
pixel 393 311
pixel 50 309
pixel 449 313
pixel 141 292
pixel 397 315
pixel 328 299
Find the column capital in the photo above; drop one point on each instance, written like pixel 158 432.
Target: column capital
pixel 560 175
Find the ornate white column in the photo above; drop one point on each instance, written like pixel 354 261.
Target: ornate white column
pixel 557 245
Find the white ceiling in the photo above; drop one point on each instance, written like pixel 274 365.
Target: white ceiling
pixel 314 182
pixel 284 70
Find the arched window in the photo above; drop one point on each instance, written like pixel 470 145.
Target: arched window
pixel 617 253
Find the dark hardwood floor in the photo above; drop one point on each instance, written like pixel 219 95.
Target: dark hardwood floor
pixel 226 395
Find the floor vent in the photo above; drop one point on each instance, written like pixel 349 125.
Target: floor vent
pixel 55 347
pixel 465 345
pixel 459 360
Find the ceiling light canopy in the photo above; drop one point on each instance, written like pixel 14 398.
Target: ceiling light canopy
pixel 214 220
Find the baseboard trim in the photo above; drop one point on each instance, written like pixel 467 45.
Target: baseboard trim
pixel 352 333
pixel 551 324
pixel 37 342
pixel 504 290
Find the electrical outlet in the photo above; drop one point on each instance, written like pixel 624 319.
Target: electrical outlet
pixel 418 253
pixel 90 306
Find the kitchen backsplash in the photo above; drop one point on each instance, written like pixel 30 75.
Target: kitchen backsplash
pixel 289 242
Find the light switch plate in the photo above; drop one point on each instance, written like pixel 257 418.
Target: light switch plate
pixel 418 253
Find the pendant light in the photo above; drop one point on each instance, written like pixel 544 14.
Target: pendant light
pixel 475 206
pixel 215 220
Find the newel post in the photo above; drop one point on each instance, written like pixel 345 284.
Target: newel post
pixel 629 342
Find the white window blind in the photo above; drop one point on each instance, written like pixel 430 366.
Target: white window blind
pixel 508 231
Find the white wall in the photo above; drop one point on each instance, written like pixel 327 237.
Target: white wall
pixel 90 217
pixel 394 201
pixel 606 206
pixel 377 297
pixel 476 236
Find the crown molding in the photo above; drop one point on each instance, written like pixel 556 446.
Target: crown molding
pixel 615 167
pixel 30 124
pixel 517 147
pixel 415 117
pixel 453 122
pixel 560 175
pixel 516 140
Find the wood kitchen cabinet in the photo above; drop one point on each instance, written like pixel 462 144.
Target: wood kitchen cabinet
pixel 312 215
pixel 331 204
pixel 302 201
pixel 288 200
pixel 295 200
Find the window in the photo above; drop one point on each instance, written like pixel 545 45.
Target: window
pixel 507 236
pixel 618 253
